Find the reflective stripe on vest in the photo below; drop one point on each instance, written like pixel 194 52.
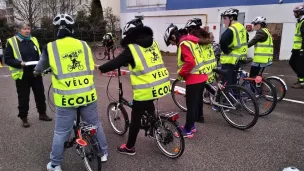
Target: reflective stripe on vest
pixel 238 45
pixel 71 89
pixel 297 39
pixel 150 80
pixel 18 73
pixel 263 51
pixel 197 54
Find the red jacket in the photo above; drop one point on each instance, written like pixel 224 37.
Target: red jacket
pixel 189 63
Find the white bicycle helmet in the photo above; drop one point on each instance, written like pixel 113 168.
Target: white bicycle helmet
pixel 194 22
pixel 132 24
pixel 290 169
pixel 230 12
pixel 63 19
pixel 259 20
pixel 168 33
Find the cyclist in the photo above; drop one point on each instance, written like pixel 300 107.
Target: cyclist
pixel 142 55
pixel 68 94
pixel 263 46
pixel 233 44
pixel 108 42
pixel 193 27
pixel 189 62
pixel 297 57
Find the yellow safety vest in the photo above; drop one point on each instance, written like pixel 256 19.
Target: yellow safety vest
pixel 209 62
pixel 263 51
pixel 18 73
pixel 297 39
pixel 72 67
pixel 198 56
pixel 149 78
pixel 239 45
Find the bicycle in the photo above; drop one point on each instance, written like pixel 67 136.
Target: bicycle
pixel 227 98
pixel 74 66
pixel 105 51
pixel 85 139
pixel 155 125
pixel 259 89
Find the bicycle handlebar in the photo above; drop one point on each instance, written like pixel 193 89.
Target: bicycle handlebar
pixel 114 73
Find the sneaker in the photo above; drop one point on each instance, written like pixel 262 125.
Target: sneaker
pixel 104 158
pixel 25 123
pixel 45 117
pixel 49 167
pixel 298 85
pixel 124 150
pixel 193 129
pixel 186 133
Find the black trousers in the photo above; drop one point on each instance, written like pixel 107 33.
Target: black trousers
pixel 138 109
pixel 194 102
pixel 230 75
pixel 254 71
pixel 23 90
pixel 296 62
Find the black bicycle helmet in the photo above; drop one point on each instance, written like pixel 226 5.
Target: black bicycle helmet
pixel 132 24
pixel 168 33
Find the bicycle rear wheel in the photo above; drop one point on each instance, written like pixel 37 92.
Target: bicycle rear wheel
pixel 118 118
pixel 50 99
pixel 178 93
pixel 246 113
pixel 100 53
pixel 265 94
pixel 91 153
pixel 279 85
pixel 164 131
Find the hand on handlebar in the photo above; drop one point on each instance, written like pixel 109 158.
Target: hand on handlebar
pixel 96 66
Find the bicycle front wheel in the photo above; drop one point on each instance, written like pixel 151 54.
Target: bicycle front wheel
pixel 51 99
pixel 118 118
pixel 178 93
pixel 265 94
pixel 91 153
pixel 279 85
pixel 99 53
pixel 241 108
pixel 169 138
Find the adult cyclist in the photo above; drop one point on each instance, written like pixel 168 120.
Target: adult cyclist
pixel 68 96
pixel 108 42
pixel 142 55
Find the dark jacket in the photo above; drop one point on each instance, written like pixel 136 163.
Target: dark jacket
pixel 260 36
pixel 143 36
pixel 226 40
pixel 28 51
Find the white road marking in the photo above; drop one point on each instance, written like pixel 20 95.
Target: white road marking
pixel 5 76
pixel 294 101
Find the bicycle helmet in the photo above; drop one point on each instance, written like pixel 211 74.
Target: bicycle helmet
pixel 63 19
pixel 299 10
pixel 168 33
pixel 290 169
pixel 259 20
pixel 194 22
pixel 230 12
pixel 132 24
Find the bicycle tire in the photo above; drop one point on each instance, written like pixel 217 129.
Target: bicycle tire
pixel 51 102
pixel 281 90
pixel 273 93
pixel 91 140
pixel 124 115
pixel 99 55
pixel 255 113
pixel 173 94
pixel 180 136
pixel 206 97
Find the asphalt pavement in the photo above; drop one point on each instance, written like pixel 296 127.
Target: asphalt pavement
pixel 275 142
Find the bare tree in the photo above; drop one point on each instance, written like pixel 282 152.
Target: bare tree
pixel 28 10
pixel 62 6
pixel 111 20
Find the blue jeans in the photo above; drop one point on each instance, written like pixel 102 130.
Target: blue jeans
pixel 64 124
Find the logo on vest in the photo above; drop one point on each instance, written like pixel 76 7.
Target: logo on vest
pixel 73 57
pixel 161 91
pixel 155 57
pixel 242 31
pixel 66 101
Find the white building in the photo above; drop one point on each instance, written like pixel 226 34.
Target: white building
pixel 114 4
pixel 158 14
